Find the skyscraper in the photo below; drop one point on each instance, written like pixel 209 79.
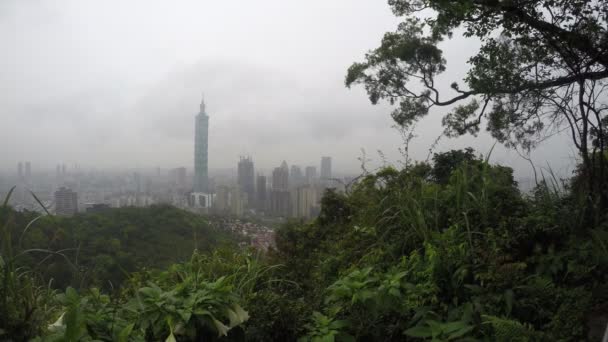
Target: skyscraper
pixel 246 178
pixel 222 201
pixel 236 202
pixel 280 177
pixel 325 168
pixel 304 201
pixel 295 176
pixel 20 170
pixel 261 193
pixel 279 196
pixel 311 174
pixel 201 139
pixel 66 202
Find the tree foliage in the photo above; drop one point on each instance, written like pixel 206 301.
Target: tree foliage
pixel 462 256
pixel 541 69
pixel 101 249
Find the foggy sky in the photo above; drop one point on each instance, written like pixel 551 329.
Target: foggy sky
pixel 118 83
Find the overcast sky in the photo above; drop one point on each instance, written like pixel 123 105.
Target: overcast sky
pixel 118 83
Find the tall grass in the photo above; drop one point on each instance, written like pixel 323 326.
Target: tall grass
pixel 244 271
pixel 410 207
pixel 26 301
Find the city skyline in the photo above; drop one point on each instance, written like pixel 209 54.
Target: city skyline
pixel 109 103
pixel 312 167
pixel 201 167
pixel 294 190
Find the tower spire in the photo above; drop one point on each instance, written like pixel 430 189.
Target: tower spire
pixel 201 140
pixel 202 103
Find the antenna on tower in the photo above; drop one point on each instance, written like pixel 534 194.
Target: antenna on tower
pixel 202 102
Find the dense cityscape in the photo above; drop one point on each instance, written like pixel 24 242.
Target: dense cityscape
pixel 284 192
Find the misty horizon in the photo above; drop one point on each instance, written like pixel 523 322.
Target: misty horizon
pixel 85 84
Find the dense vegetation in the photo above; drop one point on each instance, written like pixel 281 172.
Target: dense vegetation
pixel 101 249
pixel 41 253
pixel 449 251
pixel 412 253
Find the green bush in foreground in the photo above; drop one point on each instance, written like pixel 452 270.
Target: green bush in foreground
pixel 401 257
pixel 471 259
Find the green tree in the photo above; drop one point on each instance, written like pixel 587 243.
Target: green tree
pixel 107 246
pixel 445 163
pixel 541 68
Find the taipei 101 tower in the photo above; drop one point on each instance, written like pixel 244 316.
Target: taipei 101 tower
pixel 201 138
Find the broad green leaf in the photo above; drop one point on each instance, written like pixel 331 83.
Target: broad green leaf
pixel 222 330
pixel 123 335
pixel 418 331
pixel 394 292
pixel 453 326
pixel 74 323
pixel 171 338
pixel 57 325
pixel 460 333
pixel 327 338
pixel 337 325
pixel 149 292
pixel 234 320
pixel 240 312
pixel 184 315
pixel 71 295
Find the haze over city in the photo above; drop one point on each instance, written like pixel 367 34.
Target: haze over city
pixel 289 170
pixel 117 84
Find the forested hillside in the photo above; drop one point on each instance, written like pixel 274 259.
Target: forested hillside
pixel 101 249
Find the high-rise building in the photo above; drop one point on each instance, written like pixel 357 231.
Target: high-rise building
pixel 325 168
pixel 280 202
pixel 279 196
pixel 293 202
pixel 295 175
pixel 311 174
pixel 200 200
pixel 237 202
pixel 222 202
pixel 201 139
pixel 280 177
pixel 66 202
pixel 20 170
pixel 304 202
pixel 246 178
pixel 261 197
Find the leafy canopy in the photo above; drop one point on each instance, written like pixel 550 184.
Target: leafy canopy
pixel 540 68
